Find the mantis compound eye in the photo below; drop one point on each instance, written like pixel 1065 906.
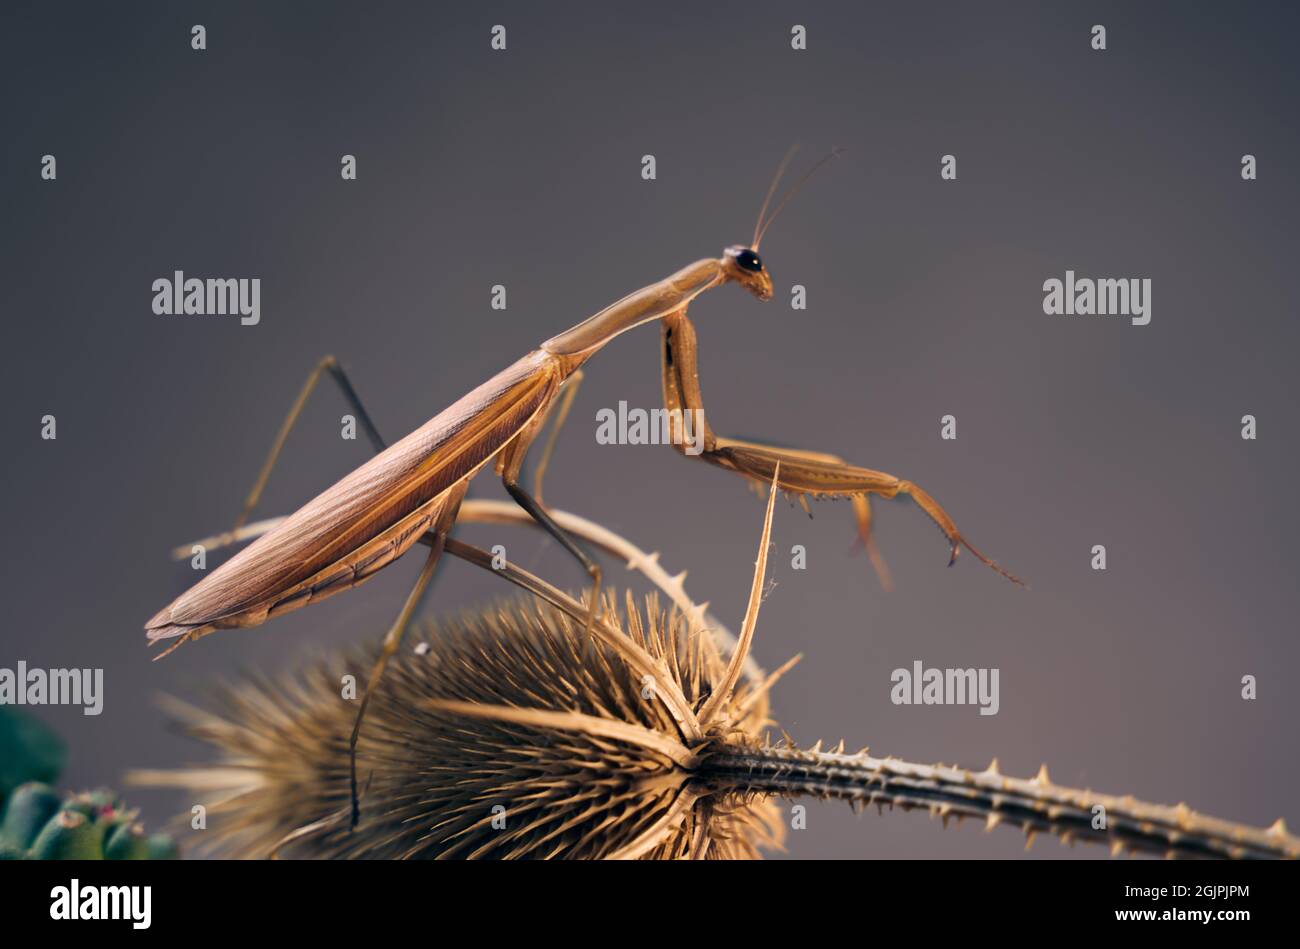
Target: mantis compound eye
pixel 748 260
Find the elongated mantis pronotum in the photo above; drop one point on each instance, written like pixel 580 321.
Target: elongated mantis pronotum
pixel 415 487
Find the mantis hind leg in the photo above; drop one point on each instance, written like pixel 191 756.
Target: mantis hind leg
pixel 393 638
pixel 242 530
pixel 327 365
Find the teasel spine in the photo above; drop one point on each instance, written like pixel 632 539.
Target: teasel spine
pixel 1035 805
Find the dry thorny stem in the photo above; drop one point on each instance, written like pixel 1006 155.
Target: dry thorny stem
pixel 510 733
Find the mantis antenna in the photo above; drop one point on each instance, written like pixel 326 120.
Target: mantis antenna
pixel 762 226
pixel 771 190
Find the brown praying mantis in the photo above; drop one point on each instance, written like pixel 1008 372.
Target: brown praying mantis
pixel 412 490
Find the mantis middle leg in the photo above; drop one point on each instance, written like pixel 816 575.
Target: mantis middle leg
pixel 567 395
pixel 509 465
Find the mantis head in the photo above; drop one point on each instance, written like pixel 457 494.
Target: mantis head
pixel 742 264
pixel 745 267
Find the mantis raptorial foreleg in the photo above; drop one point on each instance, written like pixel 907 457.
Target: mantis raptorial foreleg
pixel 450 508
pixel 801 472
pixel 328 364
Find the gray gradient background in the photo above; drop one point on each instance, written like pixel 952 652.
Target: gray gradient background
pixel 522 168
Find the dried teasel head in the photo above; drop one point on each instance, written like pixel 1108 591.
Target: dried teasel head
pixel 504 733
pixel 512 733
pixel 509 732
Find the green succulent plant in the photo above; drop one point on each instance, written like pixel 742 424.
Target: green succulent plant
pixel 38 822
pixel 28 751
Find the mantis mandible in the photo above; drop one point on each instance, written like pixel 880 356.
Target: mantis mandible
pixel 415 487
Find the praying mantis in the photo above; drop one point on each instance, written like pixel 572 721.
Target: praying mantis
pixel 412 490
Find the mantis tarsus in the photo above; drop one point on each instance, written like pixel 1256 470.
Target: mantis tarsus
pixel 414 487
